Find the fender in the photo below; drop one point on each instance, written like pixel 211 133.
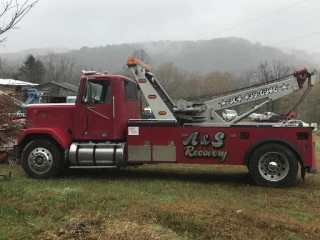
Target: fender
pixel 62 137
pixel 276 140
pixel 272 140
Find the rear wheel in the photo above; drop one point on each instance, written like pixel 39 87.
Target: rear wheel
pixel 42 159
pixel 273 165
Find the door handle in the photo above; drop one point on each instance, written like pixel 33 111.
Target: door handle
pixel 91 107
pixel 85 123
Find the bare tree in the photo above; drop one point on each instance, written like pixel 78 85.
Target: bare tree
pixel 142 55
pixel 265 72
pixel 172 80
pixel 280 69
pixel 17 10
pixel 7 70
pixel 60 67
pixel 49 61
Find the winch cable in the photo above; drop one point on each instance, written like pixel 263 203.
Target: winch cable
pixel 304 95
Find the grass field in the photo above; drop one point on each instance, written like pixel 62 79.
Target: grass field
pixel 157 202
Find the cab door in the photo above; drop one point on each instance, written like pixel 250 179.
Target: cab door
pixel 95 111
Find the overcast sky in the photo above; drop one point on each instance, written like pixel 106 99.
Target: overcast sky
pixel 76 23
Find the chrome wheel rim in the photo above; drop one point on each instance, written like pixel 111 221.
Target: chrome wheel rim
pixel 40 160
pixel 273 166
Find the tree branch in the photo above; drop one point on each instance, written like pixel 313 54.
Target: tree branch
pixel 20 11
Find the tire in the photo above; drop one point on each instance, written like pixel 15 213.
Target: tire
pixel 273 165
pixel 42 159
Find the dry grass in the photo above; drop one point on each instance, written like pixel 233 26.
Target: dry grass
pixel 157 202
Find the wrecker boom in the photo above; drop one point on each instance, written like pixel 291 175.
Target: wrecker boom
pixel 268 93
pixel 157 98
pixel 164 108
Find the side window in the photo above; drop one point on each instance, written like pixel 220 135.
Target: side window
pixel 97 92
pixel 130 90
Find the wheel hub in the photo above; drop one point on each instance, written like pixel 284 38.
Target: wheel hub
pixel 273 166
pixel 40 160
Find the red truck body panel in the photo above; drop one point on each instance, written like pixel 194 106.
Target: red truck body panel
pixel 219 145
pixel 55 120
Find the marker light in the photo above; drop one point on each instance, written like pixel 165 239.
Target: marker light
pixel 135 61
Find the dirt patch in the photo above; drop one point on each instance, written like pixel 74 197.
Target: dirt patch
pixel 78 229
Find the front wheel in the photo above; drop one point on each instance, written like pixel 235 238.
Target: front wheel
pixel 42 159
pixel 273 165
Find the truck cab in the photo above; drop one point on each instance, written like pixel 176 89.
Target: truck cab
pixel 105 104
pixel 89 131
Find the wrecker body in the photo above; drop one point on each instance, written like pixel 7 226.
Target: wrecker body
pixel 104 129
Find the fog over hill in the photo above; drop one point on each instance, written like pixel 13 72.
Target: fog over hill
pixel 19 56
pixel 233 55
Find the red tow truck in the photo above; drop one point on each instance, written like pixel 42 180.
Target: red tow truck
pixel 103 129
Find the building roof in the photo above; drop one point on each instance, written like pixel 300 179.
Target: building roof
pixel 68 86
pixel 13 82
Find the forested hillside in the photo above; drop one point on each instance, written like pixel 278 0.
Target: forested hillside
pixel 225 54
pixel 234 55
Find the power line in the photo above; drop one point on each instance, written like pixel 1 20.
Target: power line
pixel 291 39
pixel 255 19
